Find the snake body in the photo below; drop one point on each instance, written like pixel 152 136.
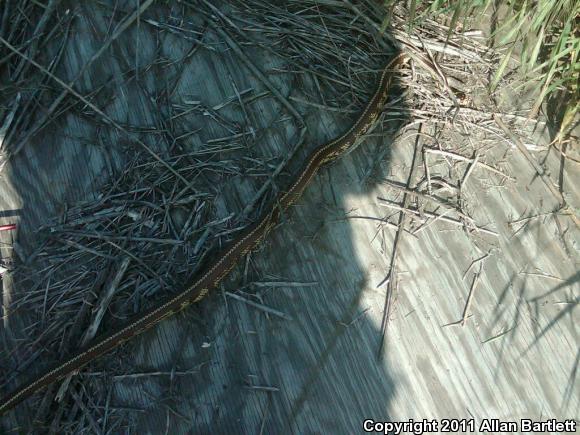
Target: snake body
pixel 228 259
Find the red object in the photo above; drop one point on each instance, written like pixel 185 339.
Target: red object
pixel 8 227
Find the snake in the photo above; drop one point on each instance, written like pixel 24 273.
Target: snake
pixel 240 246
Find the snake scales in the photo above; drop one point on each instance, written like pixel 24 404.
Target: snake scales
pixel 226 261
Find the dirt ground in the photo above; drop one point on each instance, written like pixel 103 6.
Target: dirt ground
pixel 431 273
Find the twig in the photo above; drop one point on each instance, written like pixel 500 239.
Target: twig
pixel 501 334
pixel 428 197
pixel 108 294
pixel 465 315
pixel 416 213
pixel 122 27
pixel 543 275
pixel 468 172
pixel 252 202
pixel 264 417
pixel 98 317
pixel 353 321
pixel 467 159
pixel 97 110
pixel 148 374
pixel 128 239
pixel 427 172
pixel 539 170
pixel 263 388
pixel 260 306
pixel 86 412
pixel 283 284
pixel 391 277
pixel 470 297
pixel 473 263
pixel 258 74
pixel 382 222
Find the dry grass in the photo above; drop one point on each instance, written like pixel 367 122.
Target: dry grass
pixel 160 213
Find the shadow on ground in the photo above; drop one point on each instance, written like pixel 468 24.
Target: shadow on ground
pixel 224 118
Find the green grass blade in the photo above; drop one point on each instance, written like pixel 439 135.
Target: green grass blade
pixel 502 66
pixel 412 11
pixel 536 50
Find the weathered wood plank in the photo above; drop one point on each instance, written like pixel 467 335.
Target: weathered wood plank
pixel 251 372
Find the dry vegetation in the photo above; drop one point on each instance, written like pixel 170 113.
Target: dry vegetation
pixel 160 213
